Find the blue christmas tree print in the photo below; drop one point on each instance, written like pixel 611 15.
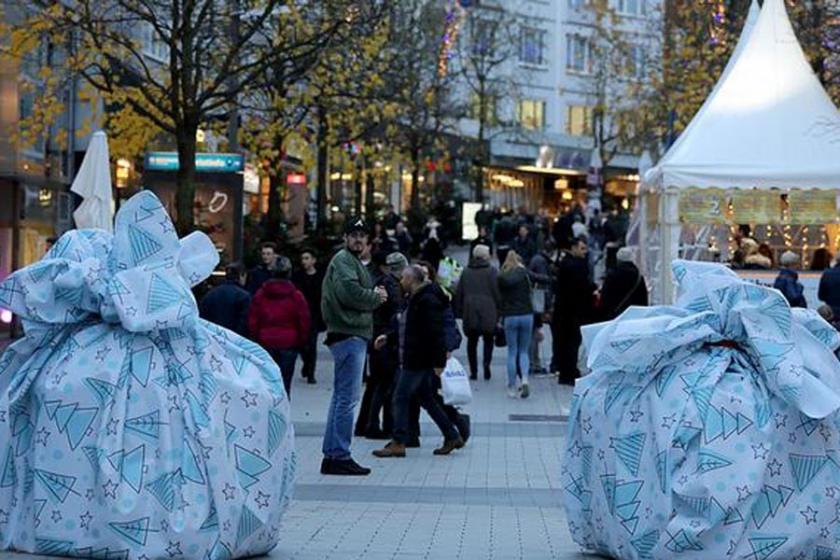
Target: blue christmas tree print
pixel 143 245
pixel 250 466
pixel 135 532
pixel 249 524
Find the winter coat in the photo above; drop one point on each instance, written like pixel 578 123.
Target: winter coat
pixel 573 292
pixel 279 317
pixel 830 289
pixel 541 272
pixel 526 248
pixel 515 288
pixel 310 285
pixel 227 306
pixel 788 283
pixel 477 298
pixel 348 299
pixel 424 339
pixel 405 243
pixel 257 277
pixel 432 252
pixel 385 313
pixel 624 287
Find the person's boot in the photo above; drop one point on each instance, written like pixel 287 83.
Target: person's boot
pixel 463 425
pixel 393 449
pixel 449 446
pixel 487 372
pixel 473 375
pixel 345 467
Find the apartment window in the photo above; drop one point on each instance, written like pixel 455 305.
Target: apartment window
pixel 636 62
pixel 579 120
pixel 153 46
pixel 532 46
pixel 578 54
pixel 482 37
pixel 531 114
pixel 490 116
pixel 630 7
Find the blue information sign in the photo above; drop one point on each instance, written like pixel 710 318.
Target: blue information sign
pixel 204 163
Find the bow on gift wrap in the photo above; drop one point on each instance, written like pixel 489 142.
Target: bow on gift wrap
pixel 171 433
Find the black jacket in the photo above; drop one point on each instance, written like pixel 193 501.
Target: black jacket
pixel 424 338
pixel 830 289
pixel 384 315
pixel 227 306
pixel 573 294
pixel 624 287
pixel 311 286
pixel 257 277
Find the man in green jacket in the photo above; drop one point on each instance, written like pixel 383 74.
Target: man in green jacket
pixel 347 305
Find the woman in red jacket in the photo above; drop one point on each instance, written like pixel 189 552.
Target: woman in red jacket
pixel 279 321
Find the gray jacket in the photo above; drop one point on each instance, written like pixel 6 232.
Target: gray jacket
pixel 477 298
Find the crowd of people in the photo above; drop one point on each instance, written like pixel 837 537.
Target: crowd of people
pixel 391 326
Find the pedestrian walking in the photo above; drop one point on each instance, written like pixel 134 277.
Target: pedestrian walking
pixel 432 250
pixel 263 272
pixel 477 302
pixel 788 282
pixel 624 286
pixel 382 362
pixel 309 280
pixel 517 314
pixel 227 304
pixel 524 244
pixel 573 307
pixel 279 320
pixel 422 351
pixel 349 298
pixel 503 236
pixel 541 273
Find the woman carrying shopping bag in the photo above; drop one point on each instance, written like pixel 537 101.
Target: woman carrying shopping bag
pixel 517 313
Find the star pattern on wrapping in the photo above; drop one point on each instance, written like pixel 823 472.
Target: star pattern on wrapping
pixel 224 398
pixel 226 526
pixel 743 492
pixel 3 416
pixel 89 494
pixel 759 451
pixel 166 226
pixel 195 278
pixel 810 515
pixel 831 492
pixel 110 489
pixel 586 424
pixel 102 353
pixel 825 432
pixel 229 492
pixel 262 500
pixel 695 524
pixel 215 364
pixel 575 450
pixel 174 549
pixel 112 426
pixel 635 415
pixel 825 532
pixel 249 432
pixel 85 520
pixel 601 455
pixel 792 437
pixel 205 450
pixel 164 526
pixel 43 436
pixel 683 479
pixel 4 517
pixel 56 516
pixel 775 467
pixel 669 421
pixel 249 398
pixel 130 311
pixel 174 405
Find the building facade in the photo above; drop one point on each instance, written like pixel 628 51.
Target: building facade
pixel 553 76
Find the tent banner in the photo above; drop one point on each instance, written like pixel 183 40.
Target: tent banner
pixel 812 207
pixel 703 206
pixel 755 206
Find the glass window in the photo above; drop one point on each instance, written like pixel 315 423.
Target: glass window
pixel 630 7
pixel 531 114
pixel 475 108
pixel 578 54
pixel 153 45
pixel 531 45
pixel 579 120
pixel 636 62
pixel 482 37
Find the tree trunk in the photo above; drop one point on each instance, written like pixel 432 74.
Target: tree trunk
pixel 415 180
pixel 323 163
pixel 481 159
pixel 185 179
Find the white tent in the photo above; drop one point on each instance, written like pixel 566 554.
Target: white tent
pixel 768 124
pixel 93 183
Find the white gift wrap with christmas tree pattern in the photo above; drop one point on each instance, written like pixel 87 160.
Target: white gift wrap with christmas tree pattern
pixel 129 427
pixel 708 429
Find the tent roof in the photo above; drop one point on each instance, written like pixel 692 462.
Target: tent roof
pixel 768 123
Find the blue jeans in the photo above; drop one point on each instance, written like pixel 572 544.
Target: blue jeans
pixel 518 331
pixel 349 356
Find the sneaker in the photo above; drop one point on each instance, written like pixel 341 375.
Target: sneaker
pixel 512 393
pixel 343 467
pixel 463 425
pixel 393 449
pixel 524 391
pixel 449 446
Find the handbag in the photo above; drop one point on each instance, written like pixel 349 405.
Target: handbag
pixel 455 385
pixel 499 338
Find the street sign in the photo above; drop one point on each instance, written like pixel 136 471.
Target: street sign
pixel 204 163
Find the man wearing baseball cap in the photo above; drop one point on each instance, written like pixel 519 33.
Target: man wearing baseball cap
pixel 347 305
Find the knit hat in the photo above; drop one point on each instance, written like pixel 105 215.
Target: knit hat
pixel 625 254
pixel 396 262
pixel 481 252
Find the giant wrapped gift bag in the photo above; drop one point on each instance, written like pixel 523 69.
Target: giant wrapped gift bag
pixel 130 428
pixel 708 429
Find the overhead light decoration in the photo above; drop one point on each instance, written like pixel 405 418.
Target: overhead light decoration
pixel 456 14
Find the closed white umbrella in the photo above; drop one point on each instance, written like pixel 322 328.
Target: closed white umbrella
pixel 93 184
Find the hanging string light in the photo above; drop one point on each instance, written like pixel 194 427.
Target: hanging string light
pixel 717 32
pixel 455 16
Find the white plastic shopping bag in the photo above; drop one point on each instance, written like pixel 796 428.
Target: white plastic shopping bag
pixel 455 384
